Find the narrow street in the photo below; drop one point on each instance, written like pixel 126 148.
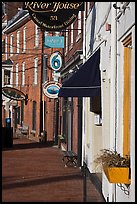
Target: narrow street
pixel 68 101
pixel 33 172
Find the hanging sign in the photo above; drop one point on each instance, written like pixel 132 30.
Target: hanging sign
pixel 13 93
pixel 53 16
pixel 54 42
pixel 56 61
pixel 51 89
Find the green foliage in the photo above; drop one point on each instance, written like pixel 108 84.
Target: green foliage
pixel 61 137
pixel 110 158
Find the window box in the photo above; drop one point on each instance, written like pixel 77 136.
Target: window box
pixel 115 166
pixel 117 174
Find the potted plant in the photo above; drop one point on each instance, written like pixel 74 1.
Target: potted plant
pixel 61 138
pixel 115 167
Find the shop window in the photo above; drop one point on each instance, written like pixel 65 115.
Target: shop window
pixel 95 104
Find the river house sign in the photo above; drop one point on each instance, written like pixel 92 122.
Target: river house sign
pixel 53 16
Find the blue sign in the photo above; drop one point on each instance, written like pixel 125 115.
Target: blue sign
pixel 8 122
pixel 51 89
pixel 54 42
pixel 56 61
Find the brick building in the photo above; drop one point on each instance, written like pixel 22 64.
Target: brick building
pixel 22 41
pixel 28 60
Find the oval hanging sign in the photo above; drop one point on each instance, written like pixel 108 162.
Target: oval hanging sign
pixel 51 89
pixel 53 16
pixel 56 61
pixel 13 93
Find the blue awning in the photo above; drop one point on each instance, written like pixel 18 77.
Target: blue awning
pixel 86 81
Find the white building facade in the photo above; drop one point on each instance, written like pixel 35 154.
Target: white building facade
pixel 110 27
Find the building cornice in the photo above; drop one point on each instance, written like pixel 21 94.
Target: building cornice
pixel 17 24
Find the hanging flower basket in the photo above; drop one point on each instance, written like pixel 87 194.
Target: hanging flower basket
pixel 117 174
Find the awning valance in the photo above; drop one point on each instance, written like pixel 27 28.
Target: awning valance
pixel 86 81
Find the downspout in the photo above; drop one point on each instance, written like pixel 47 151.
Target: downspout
pixel 113 89
pixel 113 80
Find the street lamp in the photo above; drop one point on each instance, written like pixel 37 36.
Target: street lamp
pixel 41 81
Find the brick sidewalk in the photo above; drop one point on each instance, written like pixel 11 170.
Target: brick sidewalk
pixel 33 172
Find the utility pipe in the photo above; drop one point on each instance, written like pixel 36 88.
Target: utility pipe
pixel 113 89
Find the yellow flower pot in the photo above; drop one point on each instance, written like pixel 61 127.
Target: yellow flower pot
pixel 117 174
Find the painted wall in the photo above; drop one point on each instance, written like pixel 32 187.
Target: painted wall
pixel 93 135
pixel 111 66
pixel 125 27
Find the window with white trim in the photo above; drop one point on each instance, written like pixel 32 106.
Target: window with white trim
pixel 6 47
pixel 79 22
pixel 57 33
pixel 35 71
pixel 17 74
pixel 46 33
pixel 18 41
pixel 88 7
pixel 24 39
pixel 66 42
pixel 7 77
pixel 72 33
pixel 11 45
pixel 3 46
pixel 36 36
pixel 3 8
pixel 23 73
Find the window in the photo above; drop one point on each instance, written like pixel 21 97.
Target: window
pixel 72 33
pixel 18 41
pixel 18 115
pixel 6 47
pixel 35 71
pixel 66 42
pixel 95 104
pixel 57 33
pixel 34 115
pixel 3 8
pixel 36 36
pixel 11 45
pixel 44 68
pixel 79 22
pixel 3 46
pixel 7 77
pixel 88 7
pixel 23 73
pixel 46 33
pixel 127 96
pixel 17 74
pixel 22 112
pixel 24 39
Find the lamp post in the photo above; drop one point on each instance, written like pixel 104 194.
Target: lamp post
pixel 41 81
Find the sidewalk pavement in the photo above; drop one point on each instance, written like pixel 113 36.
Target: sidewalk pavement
pixel 34 172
